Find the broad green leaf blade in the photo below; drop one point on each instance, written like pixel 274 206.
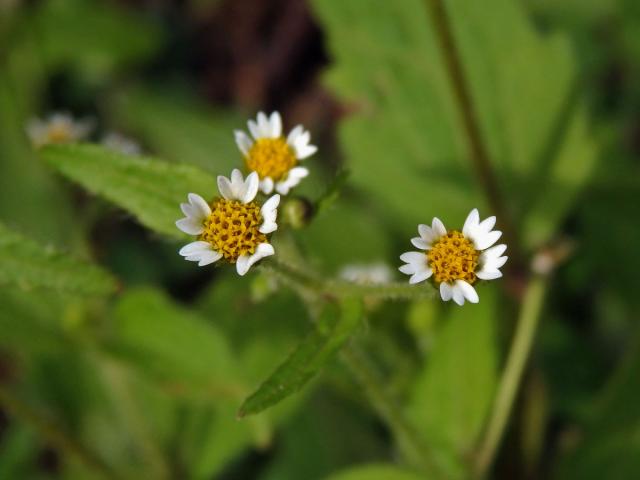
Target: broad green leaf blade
pixel 375 472
pixel 405 141
pixel 174 344
pixel 25 265
pixel 180 128
pixel 332 330
pixel 453 393
pixel 150 189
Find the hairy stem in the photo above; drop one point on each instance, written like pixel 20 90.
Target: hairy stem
pixel 299 278
pixel 55 434
pixel 512 375
pixel 374 388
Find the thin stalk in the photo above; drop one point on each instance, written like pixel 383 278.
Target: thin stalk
pixel 308 281
pixel 477 149
pixel 509 383
pixel 374 388
pixel 55 434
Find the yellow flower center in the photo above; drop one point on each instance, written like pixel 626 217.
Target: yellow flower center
pixel 271 157
pixel 232 228
pixel 59 133
pixel 453 257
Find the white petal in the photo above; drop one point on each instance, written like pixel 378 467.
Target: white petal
pixel 419 242
pixel 495 251
pixel 242 264
pixel 253 128
pixel 190 226
pixel 445 291
pixel 438 227
pixel 492 263
pixel 420 276
pixel 250 187
pixel 408 269
pixel 471 223
pixel 269 213
pixel 488 275
pixel 457 294
pixel 468 291
pixel 202 208
pixel 294 134
pixel 266 185
pixel 207 258
pixel 194 248
pixel 245 262
pixel 427 234
pixel 414 257
pixel 276 124
pixel 243 141
pixel 485 240
pixel 487 224
pixel 225 188
pixel 264 127
pixel 305 151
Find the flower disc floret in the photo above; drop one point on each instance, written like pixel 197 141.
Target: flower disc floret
pixel 233 228
pixel 271 157
pixel 274 157
pixel 454 259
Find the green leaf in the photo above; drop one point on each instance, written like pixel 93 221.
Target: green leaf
pixel 149 189
pixel 174 344
pixel 453 393
pixel 333 329
pixel 406 132
pixel 25 265
pixel 375 472
pixel 91 35
pixel 179 127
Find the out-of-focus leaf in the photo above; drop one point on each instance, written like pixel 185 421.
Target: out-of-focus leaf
pixel 16 451
pixel 94 36
pixel 332 330
pixel 406 131
pixel 149 189
pixel 26 265
pixel 454 391
pixel 32 200
pixel 325 239
pixel 609 446
pixel 180 128
pixel 375 472
pixel 312 448
pixel 174 344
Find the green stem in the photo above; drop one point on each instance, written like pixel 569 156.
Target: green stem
pixel 477 149
pixel 373 385
pixel 512 375
pixel 298 278
pixel 54 434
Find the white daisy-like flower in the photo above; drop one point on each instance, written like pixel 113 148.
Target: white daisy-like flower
pixel 120 143
pixel 367 273
pixel 59 127
pixel 274 157
pixel 233 227
pixel 456 260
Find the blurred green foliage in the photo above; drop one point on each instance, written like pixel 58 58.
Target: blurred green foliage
pixel 117 360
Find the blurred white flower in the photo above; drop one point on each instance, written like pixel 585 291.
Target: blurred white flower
pixel 59 127
pixel 119 143
pixel 272 156
pixel 456 260
pixel 233 227
pixel 367 273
